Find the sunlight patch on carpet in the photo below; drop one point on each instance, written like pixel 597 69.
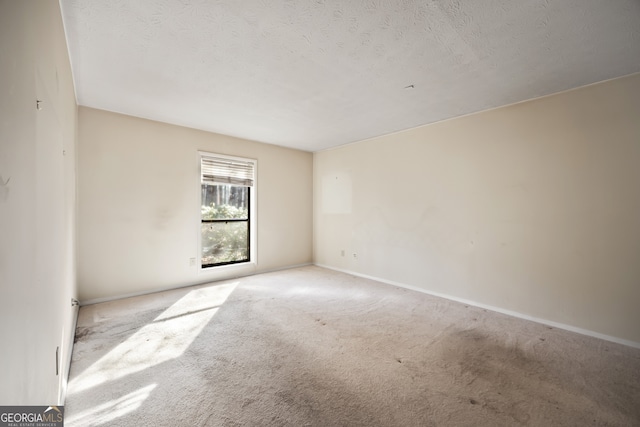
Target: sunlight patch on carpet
pixel 167 337
pixel 109 411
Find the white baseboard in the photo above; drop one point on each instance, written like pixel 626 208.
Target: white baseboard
pixel 289 267
pixel 70 336
pixel 492 308
pixel 186 285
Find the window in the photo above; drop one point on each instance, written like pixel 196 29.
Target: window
pixel 227 185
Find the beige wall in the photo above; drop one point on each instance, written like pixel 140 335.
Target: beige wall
pixel 138 218
pixel 532 208
pixel 37 204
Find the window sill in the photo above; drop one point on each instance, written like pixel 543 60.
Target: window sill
pixel 228 270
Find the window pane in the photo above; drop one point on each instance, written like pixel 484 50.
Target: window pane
pixel 224 242
pixel 224 202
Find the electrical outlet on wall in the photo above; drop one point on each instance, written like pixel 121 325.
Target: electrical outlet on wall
pixel 355 255
pixel 342 252
pixel 192 262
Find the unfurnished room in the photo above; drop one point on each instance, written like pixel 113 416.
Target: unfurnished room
pixel 320 213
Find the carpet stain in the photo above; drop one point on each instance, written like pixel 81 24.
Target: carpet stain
pixel 484 363
pixel 81 334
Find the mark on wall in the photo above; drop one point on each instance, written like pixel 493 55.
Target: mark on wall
pixel 4 188
pixel 336 193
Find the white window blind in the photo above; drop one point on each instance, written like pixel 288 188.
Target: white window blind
pixel 219 170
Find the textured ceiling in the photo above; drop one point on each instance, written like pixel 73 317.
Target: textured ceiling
pixel 313 74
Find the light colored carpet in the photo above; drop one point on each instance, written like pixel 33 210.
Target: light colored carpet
pixel 313 347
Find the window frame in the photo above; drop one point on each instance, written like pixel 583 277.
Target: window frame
pixel 252 220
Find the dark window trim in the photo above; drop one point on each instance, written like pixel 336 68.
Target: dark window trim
pixel 247 220
pixel 225 220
